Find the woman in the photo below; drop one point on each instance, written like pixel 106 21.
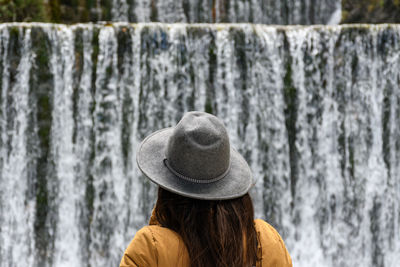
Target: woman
pixel 204 214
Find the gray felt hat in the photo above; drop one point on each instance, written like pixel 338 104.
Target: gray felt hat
pixel 194 159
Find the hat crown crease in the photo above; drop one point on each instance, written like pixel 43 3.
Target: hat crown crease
pixel 199 148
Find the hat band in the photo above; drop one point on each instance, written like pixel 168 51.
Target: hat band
pixel 193 180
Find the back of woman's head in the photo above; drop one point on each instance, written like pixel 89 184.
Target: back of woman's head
pixel 217 233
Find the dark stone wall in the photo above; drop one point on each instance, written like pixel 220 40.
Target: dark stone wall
pixel 73 11
pixel 23 11
pixel 57 11
pixel 370 11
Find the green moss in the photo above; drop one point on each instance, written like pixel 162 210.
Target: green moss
pixel 386 122
pixel 210 106
pixel 240 44
pixel 79 61
pixel 370 11
pixel 351 167
pixel 23 10
pixel 14 31
pixel 342 148
pixel 89 199
pixel 55 10
pixel 106 7
pixel 375 214
pixel 41 91
pixel 60 11
pixel 190 101
pixel 345 15
pixel 14 57
pixel 95 53
pixel 290 98
pixel 125 53
pixel 89 195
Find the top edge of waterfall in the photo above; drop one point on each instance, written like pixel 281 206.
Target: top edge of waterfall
pixel 217 26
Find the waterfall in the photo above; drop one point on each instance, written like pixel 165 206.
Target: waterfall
pixel 206 11
pixel 17 201
pixel 254 11
pixel 314 110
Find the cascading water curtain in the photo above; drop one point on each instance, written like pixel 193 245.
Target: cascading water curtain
pixel 315 110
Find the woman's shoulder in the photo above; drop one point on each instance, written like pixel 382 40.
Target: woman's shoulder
pixel 154 244
pixel 267 229
pixel 273 249
pixel 160 234
pixel 141 251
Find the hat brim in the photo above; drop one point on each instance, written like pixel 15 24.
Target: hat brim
pixel 150 159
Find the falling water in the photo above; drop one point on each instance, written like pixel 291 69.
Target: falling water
pixel 17 201
pixel 315 111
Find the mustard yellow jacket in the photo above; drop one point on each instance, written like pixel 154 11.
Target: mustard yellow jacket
pixel 154 245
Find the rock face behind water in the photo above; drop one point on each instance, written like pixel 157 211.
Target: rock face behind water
pixel 315 111
pixel 169 11
pixel 370 11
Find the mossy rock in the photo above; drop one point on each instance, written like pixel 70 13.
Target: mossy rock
pixel 370 11
pixel 23 11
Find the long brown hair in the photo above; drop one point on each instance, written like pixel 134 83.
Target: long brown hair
pixel 217 233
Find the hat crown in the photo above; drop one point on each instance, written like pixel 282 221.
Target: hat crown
pixel 199 147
